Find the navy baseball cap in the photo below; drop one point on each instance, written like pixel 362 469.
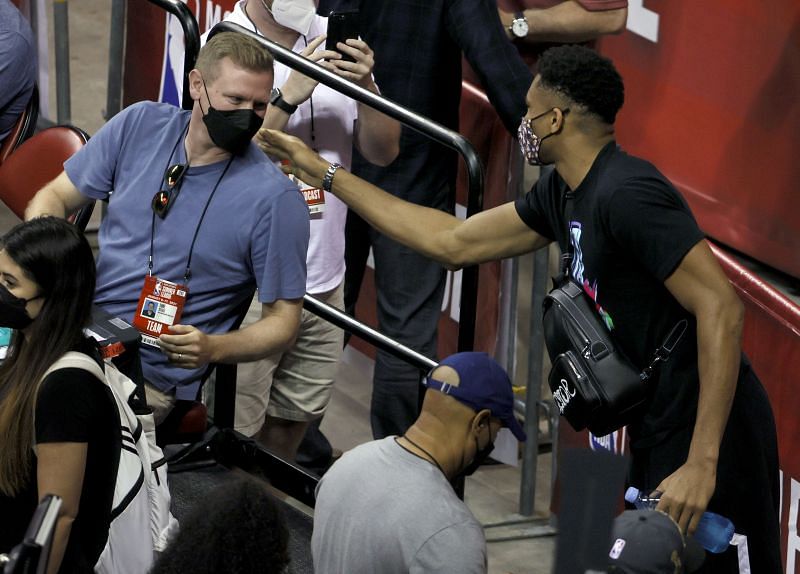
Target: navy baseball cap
pixel 650 542
pixel 482 384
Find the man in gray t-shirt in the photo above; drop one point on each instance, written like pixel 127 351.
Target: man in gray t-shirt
pixel 388 507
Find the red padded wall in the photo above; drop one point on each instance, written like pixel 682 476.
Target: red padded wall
pixel 714 104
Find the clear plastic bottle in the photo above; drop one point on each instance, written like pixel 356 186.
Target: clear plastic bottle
pixel 714 532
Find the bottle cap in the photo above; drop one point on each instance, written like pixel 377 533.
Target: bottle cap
pixel 631 494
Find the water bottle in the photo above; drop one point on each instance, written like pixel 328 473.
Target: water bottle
pixel 714 532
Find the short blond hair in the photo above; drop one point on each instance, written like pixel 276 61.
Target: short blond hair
pixel 243 51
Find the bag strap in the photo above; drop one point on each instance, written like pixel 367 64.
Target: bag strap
pixel 665 350
pixel 567 256
pixel 76 360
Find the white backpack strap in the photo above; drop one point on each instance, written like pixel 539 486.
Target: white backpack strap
pixel 72 360
pixel 119 382
pixel 76 360
pixel 740 541
pixel 121 386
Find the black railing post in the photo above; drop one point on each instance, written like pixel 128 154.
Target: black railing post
pixel 191 39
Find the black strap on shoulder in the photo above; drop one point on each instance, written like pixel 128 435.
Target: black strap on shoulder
pixel 569 253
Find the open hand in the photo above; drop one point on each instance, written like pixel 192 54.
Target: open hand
pixel 304 163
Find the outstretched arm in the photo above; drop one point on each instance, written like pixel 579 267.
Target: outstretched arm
pixel 490 235
pixel 701 287
pixel 568 22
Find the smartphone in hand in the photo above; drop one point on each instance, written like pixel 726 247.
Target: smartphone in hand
pixel 341 27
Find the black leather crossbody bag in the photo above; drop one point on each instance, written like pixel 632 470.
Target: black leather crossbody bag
pixel 594 384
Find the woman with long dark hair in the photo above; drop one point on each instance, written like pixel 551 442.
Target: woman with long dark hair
pixel 59 431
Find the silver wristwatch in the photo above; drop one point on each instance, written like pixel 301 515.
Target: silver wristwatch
pixel 519 25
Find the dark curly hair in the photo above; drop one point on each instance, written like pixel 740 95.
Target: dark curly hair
pixel 237 529
pixel 585 77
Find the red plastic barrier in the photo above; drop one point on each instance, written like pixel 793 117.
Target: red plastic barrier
pixel 712 101
pixel 771 340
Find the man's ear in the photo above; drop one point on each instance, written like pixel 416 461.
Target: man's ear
pixel 195 84
pixel 557 123
pixel 480 420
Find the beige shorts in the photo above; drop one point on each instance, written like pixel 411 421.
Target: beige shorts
pixel 160 403
pixel 297 384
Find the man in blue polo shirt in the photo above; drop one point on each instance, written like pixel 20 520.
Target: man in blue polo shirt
pixel 197 219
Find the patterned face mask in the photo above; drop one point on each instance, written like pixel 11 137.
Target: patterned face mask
pixel 529 142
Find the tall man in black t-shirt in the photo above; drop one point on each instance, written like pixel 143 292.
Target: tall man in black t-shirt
pixel 707 438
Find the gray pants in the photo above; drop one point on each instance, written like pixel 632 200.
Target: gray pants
pixel 409 290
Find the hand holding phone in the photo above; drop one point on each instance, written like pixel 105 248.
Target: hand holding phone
pixel 341 27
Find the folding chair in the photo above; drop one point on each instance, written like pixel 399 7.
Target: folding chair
pixel 37 162
pixel 23 127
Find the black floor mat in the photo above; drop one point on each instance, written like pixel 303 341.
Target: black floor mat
pixel 189 488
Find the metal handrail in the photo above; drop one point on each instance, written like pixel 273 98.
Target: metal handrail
pixel 368 334
pixel 425 126
pixel 191 38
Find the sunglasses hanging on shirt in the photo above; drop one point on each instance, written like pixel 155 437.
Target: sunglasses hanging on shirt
pixel 165 198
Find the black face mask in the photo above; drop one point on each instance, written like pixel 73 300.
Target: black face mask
pixel 230 130
pixel 12 310
pixel 481 455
